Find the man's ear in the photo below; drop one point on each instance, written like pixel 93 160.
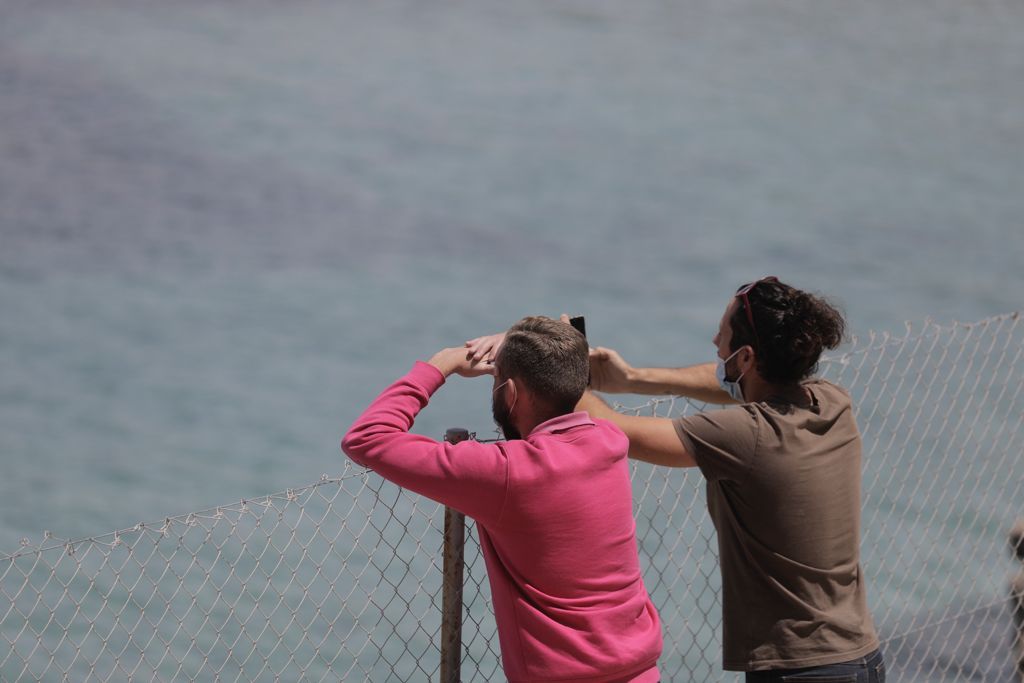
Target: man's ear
pixel 746 358
pixel 513 388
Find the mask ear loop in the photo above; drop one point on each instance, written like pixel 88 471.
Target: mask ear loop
pixel 731 356
pixel 742 374
pixel 725 364
pixel 515 397
pixel 515 394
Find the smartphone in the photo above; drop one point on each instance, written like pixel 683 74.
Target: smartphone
pixel 580 324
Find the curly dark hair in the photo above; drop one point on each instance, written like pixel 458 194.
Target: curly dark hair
pixel 791 329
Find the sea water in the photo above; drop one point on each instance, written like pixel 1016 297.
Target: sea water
pixel 224 227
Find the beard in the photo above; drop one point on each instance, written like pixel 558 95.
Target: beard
pixel 503 416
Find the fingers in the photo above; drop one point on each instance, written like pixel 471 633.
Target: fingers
pixel 485 348
pixel 483 368
pixel 485 354
pixel 471 367
pixel 479 364
pixel 564 318
pixel 479 349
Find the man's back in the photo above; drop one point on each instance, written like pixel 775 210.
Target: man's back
pixel 555 517
pixel 562 556
pixel 784 494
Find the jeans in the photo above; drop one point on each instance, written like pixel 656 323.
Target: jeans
pixel 867 669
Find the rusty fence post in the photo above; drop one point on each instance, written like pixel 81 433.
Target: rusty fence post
pixel 451 591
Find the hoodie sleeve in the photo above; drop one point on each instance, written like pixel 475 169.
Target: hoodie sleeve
pixel 470 477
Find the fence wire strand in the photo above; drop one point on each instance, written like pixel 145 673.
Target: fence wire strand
pixel 341 579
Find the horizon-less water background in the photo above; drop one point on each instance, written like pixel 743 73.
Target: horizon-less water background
pixel 225 226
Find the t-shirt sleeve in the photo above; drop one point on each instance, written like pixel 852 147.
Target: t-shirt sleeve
pixel 723 442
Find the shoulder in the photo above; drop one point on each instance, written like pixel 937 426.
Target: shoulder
pixel 828 392
pixel 825 385
pixel 731 416
pixel 723 425
pixel 608 431
pixel 606 425
pixel 723 442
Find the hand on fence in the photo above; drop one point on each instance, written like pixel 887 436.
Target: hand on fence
pixel 460 361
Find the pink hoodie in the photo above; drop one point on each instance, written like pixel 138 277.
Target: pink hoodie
pixel 556 526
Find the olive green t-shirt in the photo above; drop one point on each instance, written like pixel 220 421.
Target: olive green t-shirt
pixel 783 489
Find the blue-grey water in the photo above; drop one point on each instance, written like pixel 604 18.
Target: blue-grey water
pixel 224 226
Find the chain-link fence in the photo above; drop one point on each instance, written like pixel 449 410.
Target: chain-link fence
pixel 341 580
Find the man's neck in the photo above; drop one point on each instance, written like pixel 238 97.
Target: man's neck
pixel 759 390
pixel 530 421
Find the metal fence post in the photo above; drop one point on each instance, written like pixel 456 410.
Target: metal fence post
pixel 451 592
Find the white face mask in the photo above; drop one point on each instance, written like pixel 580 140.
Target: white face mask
pixel 731 387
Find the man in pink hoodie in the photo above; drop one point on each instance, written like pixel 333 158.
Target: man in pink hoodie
pixel 553 505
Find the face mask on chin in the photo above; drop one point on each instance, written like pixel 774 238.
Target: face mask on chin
pixel 502 413
pixel 729 386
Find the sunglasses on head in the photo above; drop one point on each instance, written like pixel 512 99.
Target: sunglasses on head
pixel 742 293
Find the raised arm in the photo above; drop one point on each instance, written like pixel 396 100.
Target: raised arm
pixel 610 373
pixel 468 476
pixel 651 439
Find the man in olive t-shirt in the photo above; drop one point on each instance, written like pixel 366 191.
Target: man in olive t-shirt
pixel 783 488
pixel 783 480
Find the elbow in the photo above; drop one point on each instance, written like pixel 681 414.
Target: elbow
pixel 350 445
pixel 367 442
pixel 353 452
pixel 362 445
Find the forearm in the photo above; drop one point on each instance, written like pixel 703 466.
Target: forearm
pixel 597 407
pixel 651 439
pixel 697 382
pixel 469 476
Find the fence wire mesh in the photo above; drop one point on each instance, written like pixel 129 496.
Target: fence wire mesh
pixel 341 579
